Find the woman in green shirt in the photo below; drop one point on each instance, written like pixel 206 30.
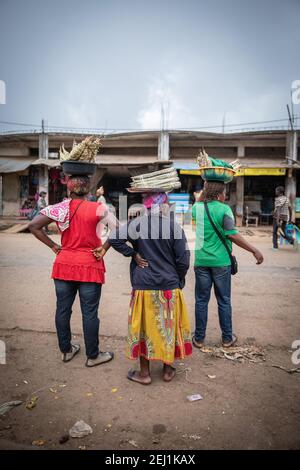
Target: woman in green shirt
pixel 212 261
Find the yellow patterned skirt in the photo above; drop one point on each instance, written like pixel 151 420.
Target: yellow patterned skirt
pixel 158 326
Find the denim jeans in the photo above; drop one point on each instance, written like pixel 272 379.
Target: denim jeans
pixel 276 226
pixel 89 295
pixel 220 278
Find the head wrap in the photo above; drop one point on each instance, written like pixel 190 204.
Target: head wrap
pixel 155 199
pixel 79 185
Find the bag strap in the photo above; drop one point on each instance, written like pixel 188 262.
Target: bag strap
pixel 217 231
pixel 75 212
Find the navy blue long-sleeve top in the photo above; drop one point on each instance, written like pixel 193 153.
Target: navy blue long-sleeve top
pixel 162 242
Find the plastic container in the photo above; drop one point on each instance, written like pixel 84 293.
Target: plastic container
pixel 72 167
pixel 217 173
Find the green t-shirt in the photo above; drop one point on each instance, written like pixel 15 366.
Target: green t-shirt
pixel 209 250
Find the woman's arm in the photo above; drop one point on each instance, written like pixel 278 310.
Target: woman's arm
pixel 242 243
pixel 36 228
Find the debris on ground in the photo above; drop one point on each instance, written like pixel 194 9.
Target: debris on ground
pixel 32 403
pixel 238 353
pixel 63 439
pixel 133 443
pixel 286 369
pixel 195 397
pixel 56 389
pixel 6 407
pixel 114 390
pixel 211 376
pixel 38 442
pixel 194 437
pixel 80 429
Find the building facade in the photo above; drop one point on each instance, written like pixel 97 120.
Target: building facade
pixel 29 163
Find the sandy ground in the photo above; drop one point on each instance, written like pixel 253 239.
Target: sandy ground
pixel 246 406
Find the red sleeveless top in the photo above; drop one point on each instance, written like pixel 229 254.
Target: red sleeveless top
pixel 76 261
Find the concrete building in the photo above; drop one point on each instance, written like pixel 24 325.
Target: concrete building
pixel 29 163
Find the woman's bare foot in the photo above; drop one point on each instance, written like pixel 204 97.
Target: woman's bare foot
pixel 136 376
pixel 169 373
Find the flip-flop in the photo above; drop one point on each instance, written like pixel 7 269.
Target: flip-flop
pixel 171 377
pixel 131 376
pixel 230 343
pixel 197 344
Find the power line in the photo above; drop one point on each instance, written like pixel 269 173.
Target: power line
pixel 95 129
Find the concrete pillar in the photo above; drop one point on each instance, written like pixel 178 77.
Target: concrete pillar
pixel 43 146
pixel 292 145
pixel 290 189
pixel 1 196
pixel 164 146
pixel 240 183
pixel 241 151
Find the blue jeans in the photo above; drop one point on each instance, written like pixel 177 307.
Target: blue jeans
pixel 282 226
pixel 220 278
pixel 89 294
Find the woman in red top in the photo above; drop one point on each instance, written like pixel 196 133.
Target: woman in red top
pixel 75 268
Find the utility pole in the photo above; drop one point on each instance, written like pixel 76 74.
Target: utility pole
pixel 291 155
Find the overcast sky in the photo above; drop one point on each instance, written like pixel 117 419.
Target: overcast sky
pixel 112 63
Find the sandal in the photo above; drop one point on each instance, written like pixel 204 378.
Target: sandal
pixel 169 377
pixel 231 343
pixel 102 358
pixel 197 344
pixel 131 375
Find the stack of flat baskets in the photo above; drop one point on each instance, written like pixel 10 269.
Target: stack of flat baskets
pixel 158 181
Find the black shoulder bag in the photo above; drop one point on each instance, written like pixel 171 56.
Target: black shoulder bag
pixel 234 263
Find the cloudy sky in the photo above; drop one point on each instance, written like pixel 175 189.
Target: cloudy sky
pixel 113 64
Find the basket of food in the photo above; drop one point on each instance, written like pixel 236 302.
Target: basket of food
pixel 81 160
pixel 217 173
pixel 212 169
pixel 158 181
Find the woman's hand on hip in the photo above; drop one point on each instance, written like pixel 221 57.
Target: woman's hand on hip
pixel 99 252
pixel 56 248
pixel 142 263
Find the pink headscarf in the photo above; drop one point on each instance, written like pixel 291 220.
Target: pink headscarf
pixel 155 199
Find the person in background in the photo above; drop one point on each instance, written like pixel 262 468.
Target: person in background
pixel 281 215
pixel 41 203
pixel 75 268
pixel 212 261
pixel 100 195
pixel 197 193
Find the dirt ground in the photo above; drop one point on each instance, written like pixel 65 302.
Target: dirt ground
pixel 245 406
